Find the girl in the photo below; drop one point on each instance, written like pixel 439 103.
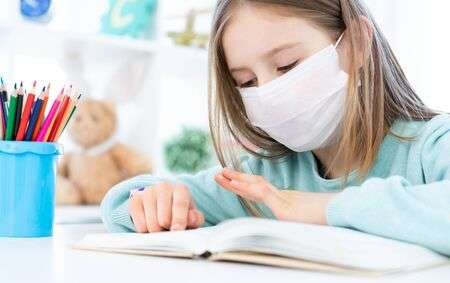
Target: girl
pixel 336 134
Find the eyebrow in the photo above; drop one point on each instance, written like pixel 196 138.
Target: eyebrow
pixel 270 53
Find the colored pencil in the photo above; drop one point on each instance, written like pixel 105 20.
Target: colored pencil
pixel 18 110
pixel 11 116
pixel 71 113
pixel 38 125
pixel 35 116
pixel 25 119
pixel 61 112
pixel 2 112
pixel 5 91
pixel 67 116
pixel 26 113
pixel 4 105
pixel 62 104
pixel 49 120
pixel 2 132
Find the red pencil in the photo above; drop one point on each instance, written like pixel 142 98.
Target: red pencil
pixel 58 119
pixel 26 114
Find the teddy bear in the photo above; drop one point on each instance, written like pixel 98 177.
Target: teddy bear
pixel 84 177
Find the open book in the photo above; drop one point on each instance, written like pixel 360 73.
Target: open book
pixel 276 243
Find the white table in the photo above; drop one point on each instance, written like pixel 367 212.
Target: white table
pixel 49 260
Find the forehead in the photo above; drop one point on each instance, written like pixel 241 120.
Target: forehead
pixel 252 31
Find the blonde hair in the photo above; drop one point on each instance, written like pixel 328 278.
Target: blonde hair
pixel 378 91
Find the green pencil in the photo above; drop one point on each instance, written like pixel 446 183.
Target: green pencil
pixel 73 111
pixel 20 95
pixel 10 127
pixel 70 117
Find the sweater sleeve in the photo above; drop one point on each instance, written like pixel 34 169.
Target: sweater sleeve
pixel 397 209
pixel 216 203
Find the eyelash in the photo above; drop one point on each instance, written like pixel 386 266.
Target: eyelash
pixel 288 67
pixel 248 83
pixel 283 70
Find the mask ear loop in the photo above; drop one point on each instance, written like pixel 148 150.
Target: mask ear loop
pixel 339 40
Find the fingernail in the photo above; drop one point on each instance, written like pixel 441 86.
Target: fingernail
pixel 176 227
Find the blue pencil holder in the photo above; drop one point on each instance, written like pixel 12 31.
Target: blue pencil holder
pixel 27 188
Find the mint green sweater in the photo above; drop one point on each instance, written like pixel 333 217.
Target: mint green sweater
pixel 406 195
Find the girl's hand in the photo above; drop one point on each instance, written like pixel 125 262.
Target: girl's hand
pixel 286 205
pixel 164 207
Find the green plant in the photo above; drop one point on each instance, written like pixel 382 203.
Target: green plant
pixel 189 152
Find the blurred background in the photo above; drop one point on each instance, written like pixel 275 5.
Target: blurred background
pixel 149 58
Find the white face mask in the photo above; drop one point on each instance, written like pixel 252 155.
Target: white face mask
pixel 303 108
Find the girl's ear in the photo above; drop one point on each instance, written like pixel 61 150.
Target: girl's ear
pixel 363 43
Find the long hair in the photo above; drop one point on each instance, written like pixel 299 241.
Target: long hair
pixel 378 90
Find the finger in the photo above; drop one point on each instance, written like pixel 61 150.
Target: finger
pixel 222 181
pixel 164 205
pixel 235 175
pixel 180 206
pixel 226 184
pixel 137 213
pixel 192 216
pixel 239 186
pixel 253 192
pixel 192 219
pixel 200 218
pixel 195 219
pixel 231 185
pixel 258 190
pixel 149 202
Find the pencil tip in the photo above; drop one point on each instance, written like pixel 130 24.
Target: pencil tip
pixel 21 84
pixel 43 89
pixel 15 85
pixel 34 83
pixel 1 78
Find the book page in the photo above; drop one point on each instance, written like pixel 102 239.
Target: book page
pixel 187 242
pixel 323 244
pixel 273 260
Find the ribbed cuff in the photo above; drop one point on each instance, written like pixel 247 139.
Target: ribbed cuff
pixel 340 206
pixel 122 217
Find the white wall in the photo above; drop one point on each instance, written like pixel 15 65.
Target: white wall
pixel 418 32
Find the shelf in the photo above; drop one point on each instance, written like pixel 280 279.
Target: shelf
pixel 36 32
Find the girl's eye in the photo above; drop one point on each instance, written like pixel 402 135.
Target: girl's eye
pixel 250 83
pixel 287 68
